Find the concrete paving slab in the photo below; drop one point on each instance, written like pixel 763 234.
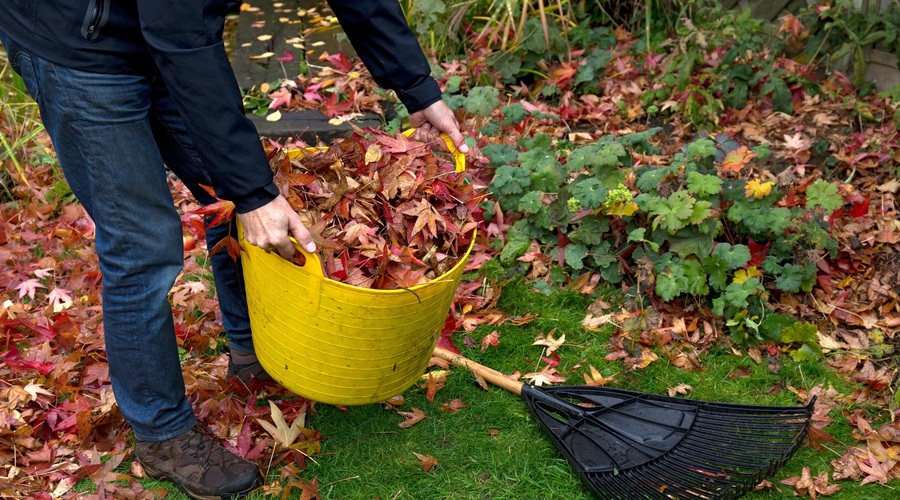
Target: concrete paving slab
pixel 273 39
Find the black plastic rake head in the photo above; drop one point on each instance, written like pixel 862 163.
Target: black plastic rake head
pixel 628 445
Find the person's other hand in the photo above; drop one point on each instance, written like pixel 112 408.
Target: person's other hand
pixel 438 118
pixel 271 226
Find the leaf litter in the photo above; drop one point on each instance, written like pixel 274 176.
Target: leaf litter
pixel 386 211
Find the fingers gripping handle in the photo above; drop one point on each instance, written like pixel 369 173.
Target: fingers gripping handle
pixel 459 159
pixel 313 262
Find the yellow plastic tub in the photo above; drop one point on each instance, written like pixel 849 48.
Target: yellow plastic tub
pixel 341 344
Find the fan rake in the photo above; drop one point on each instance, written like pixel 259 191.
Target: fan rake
pixel 628 445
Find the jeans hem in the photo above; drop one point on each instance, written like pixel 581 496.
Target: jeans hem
pixel 168 435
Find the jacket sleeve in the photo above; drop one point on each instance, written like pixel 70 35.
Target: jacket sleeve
pixel 185 41
pixel 388 47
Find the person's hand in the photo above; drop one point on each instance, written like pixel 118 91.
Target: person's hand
pixel 271 226
pixel 438 118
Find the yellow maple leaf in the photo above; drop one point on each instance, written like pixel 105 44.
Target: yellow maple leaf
pixel 373 153
pixel 647 357
pixel 596 378
pixel 549 342
pixel 758 189
pixel 742 275
pixel 621 209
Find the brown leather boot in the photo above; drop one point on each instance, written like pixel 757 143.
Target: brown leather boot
pixel 245 373
pixel 199 465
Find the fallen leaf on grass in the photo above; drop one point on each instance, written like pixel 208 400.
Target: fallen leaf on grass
pixel 282 432
pixel 396 400
pixel 685 361
pixel 805 485
pixel 815 435
pixel 647 357
pixel 549 342
pixel 595 378
pixel 592 323
pixel 847 467
pixel 411 418
pixel 547 376
pixel 766 485
pixel 434 381
pixel 875 470
pixel 739 372
pixel 453 406
pixel 491 339
pixel 426 461
pixel 679 389
pixel 309 490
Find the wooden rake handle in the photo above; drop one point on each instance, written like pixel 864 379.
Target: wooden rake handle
pixel 489 374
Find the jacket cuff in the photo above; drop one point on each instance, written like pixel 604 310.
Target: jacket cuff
pixel 256 198
pixel 421 95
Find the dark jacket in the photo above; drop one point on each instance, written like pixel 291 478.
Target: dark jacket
pixel 181 40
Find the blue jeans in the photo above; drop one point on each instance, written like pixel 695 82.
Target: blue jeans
pixel 114 135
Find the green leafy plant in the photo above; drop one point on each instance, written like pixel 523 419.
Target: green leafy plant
pixel 692 222
pixel 436 26
pixel 843 31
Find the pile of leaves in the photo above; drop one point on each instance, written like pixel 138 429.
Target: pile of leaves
pixel 386 211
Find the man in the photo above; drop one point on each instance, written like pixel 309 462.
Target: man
pixel 127 86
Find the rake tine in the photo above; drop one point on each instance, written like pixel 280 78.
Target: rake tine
pixel 679 478
pixel 725 452
pixel 688 479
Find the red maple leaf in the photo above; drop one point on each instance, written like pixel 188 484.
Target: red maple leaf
pixel 340 62
pixel 860 206
pixel 222 209
pixel 332 107
pixel 758 253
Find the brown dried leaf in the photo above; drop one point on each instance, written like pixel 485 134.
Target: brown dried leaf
pixel 807 486
pixel 434 381
pixel 453 406
pixel 679 389
pixel 847 467
pixel 411 418
pixel 426 461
